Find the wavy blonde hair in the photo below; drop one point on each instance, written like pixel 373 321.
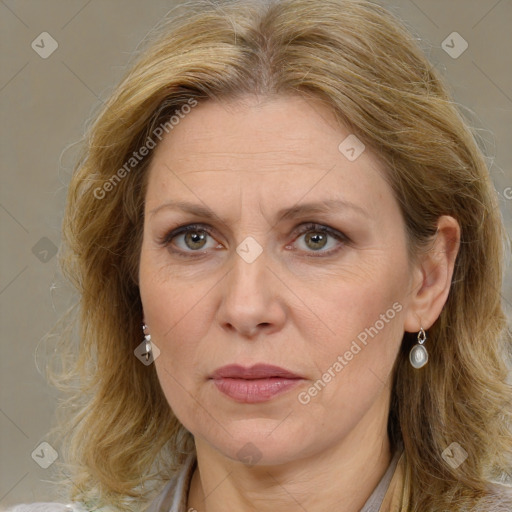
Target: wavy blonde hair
pixel 121 440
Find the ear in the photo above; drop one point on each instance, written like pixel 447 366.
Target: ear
pixel 432 276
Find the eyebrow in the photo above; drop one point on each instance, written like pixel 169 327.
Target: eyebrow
pixel 326 206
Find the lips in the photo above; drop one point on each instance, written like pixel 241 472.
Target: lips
pixel 257 371
pixel 259 383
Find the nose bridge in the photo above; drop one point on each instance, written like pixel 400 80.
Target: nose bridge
pixel 247 278
pixel 248 299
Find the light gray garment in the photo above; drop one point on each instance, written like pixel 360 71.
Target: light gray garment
pixel 47 507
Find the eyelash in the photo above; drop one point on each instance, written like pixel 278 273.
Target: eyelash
pixel 305 228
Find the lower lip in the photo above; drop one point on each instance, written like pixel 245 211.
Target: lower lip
pixel 256 390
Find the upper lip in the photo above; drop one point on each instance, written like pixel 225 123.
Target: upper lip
pixel 257 371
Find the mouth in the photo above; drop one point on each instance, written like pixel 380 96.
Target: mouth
pixel 256 384
pixel 257 371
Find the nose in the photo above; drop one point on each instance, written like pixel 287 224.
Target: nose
pixel 252 298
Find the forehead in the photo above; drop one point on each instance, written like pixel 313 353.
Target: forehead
pixel 262 150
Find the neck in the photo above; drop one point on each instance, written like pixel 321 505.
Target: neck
pixel 340 477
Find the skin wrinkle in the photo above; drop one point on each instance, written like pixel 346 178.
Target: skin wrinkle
pixel 287 309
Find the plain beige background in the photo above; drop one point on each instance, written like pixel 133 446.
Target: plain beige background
pixel 45 103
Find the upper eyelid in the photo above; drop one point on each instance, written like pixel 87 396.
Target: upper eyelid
pixel 302 228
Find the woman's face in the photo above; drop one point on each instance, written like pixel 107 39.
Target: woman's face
pixel 296 258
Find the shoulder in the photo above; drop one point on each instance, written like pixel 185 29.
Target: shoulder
pixel 499 499
pixel 173 496
pixel 52 507
pixel 42 507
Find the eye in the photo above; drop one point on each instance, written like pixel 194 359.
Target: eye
pixel 191 238
pixel 315 238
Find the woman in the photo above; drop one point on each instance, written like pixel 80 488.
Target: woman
pixel 289 253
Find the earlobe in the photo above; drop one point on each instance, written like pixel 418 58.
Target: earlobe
pixel 433 276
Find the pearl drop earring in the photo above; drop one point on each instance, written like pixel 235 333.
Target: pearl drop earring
pixel 418 356
pixel 147 337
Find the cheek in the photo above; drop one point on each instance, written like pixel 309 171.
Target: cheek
pixel 176 311
pixel 168 296
pixel 177 320
pixel 356 341
pixel 178 324
pixel 355 298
